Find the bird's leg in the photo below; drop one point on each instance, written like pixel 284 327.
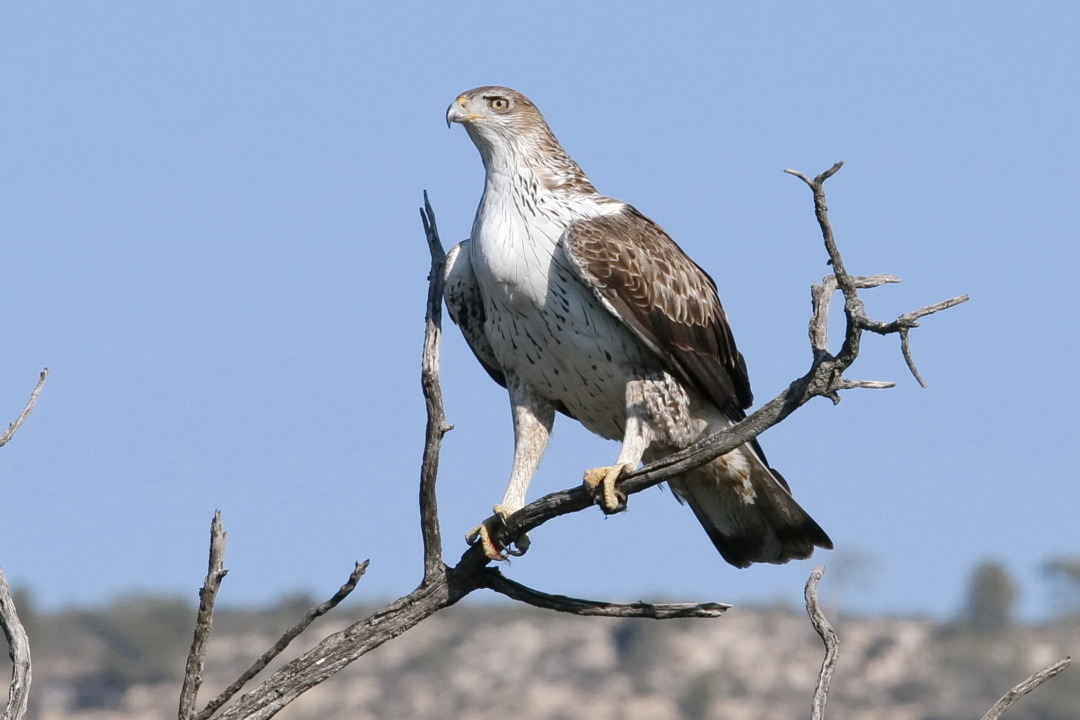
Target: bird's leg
pixel 533 418
pixel 639 433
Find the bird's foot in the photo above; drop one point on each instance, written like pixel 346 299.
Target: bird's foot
pixel 603 482
pixel 488 535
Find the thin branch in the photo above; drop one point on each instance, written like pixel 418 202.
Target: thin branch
pixel 437 426
pixel 443 586
pixel 14 632
pixel 828 636
pixel 1009 699
pixel 283 642
pixel 18 650
pixel 495 580
pixel 905 350
pixel 215 572
pixel 26 410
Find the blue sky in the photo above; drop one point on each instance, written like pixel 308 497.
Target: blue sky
pixel 208 216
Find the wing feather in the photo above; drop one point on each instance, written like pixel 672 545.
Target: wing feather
pixel 645 279
pixel 466 307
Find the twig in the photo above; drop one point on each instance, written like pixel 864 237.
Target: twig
pixel 443 586
pixel 207 595
pixel 828 636
pixel 26 410
pixel 14 632
pixel 18 650
pixel 495 580
pixel 1009 699
pixel 283 642
pixel 437 426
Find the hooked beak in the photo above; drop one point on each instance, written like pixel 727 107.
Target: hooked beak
pixel 456 113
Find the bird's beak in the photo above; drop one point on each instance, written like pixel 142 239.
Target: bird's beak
pixel 457 113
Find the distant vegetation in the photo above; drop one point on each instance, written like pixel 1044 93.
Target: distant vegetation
pixel 126 660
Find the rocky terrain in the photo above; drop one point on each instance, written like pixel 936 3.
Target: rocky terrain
pixel 124 662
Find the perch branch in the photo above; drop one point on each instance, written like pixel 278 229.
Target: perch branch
pixel 26 410
pixel 495 580
pixel 215 573
pixel 18 650
pixel 1009 699
pixel 283 642
pixel 824 379
pixel 828 636
pixel 443 586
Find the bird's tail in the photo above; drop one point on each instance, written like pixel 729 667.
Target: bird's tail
pixel 748 511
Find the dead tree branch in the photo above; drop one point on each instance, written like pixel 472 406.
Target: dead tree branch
pixel 832 645
pixel 19 650
pixel 26 410
pixel 1009 699
pixel 14 632
pixel 215 573
pixel 495 580
pixel 12 427
pixel 828 636
pixel 442 586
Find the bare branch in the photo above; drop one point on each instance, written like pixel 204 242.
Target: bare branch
pixel 207 595
pixel 828 636
pixel 495 580
pixel 436 417
pixel 14 632
pixel 845 384
pixel 905 350
pixel 18 650
pixel 1009 699
pixel 283 642
pixel 26 410
pixel 443 586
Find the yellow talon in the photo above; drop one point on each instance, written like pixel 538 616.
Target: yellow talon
pixel 487 532
pixel 603 481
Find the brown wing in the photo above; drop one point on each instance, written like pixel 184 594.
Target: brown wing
pixel 466 306
pixel 649 283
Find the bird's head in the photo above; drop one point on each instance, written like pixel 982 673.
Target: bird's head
pixel 509 131
pixel 494 116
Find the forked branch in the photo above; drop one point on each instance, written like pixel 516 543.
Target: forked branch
pixel 442 586
pixel 14 632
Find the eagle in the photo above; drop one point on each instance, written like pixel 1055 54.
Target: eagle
pixel 579 304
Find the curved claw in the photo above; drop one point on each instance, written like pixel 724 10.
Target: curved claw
pixel 488 535
pixel 603 482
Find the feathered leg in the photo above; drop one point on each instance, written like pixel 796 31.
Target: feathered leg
pixel 640 432
pixel 533 418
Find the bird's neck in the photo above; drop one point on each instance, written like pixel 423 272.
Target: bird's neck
pixel 535 161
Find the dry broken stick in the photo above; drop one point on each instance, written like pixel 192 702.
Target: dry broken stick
pixel 828 636
pixel 443 586
pixel 436 417
pixel 19 650
pixel 26 410
pixel 207 596
pixel 215 573
pixel 283 642
pixel 12 627
pixel 1009 699
pixel 493 579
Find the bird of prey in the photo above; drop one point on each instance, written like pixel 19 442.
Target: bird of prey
pixel 580 304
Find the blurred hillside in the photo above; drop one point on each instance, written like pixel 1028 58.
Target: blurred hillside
pixel 125 661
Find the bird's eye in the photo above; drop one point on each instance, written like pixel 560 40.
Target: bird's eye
pixel 499 103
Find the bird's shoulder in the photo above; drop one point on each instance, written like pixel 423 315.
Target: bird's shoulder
pixel 642 276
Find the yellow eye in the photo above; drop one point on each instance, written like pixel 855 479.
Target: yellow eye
pixel 499 103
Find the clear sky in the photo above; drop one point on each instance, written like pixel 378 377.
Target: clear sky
pixel 208 216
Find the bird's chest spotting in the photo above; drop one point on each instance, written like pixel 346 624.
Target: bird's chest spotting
pixel 547 328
